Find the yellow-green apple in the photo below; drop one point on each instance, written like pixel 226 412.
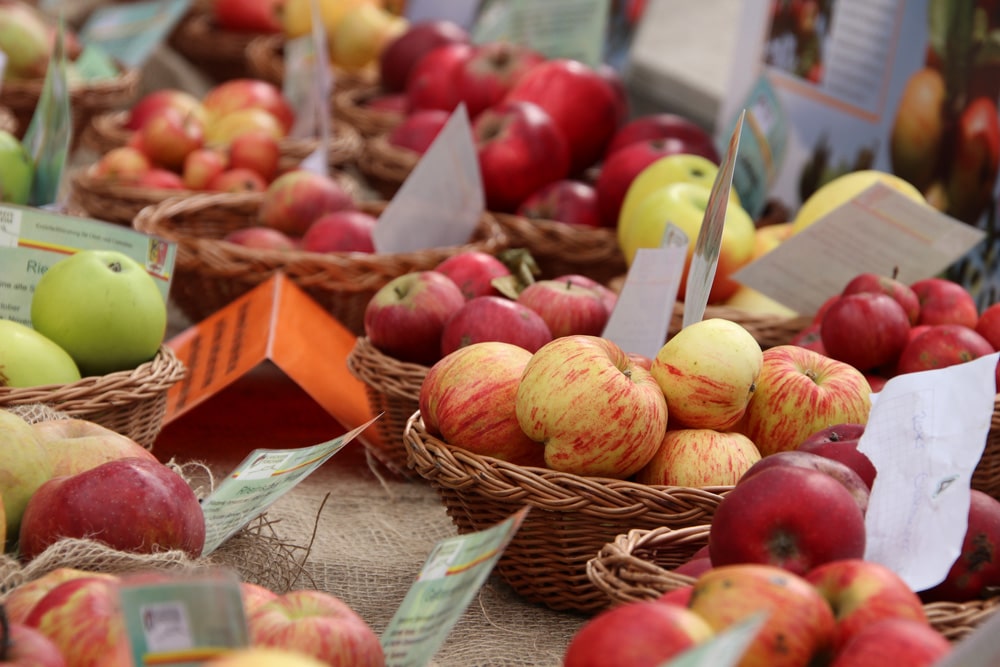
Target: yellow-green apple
pixel 398 57
pixel 756 522
pixel 894 641
pixel 978 564
pixel 707 371
pixel 263 656
pixel 644 633
pixel 255 16
pixel 473 271
pixel 664 125
pixel 798 392
pixel 25 468
pixel 405 317
pixel 168 137
pixel 468 398
pixel 103 308
pixel 684 204
pixel 494 318
pixel 254 595
pixel 918 128
pixel 975 161
pixel 122 164
pixel 842 189
pixel 485 77
pixel 596 412
pixel 130 504
pixel 769 237
pixel 29 359
pixel 943 301
pixel 429 84
pixel 295 199
pixel 237 179
pixel 247 93
pixel 861 592
pixel 201 166
pixel 519 149
pixel 341 231
pixel 867 330
pixel 942 345
pixel 566 307
pixel 839 471
pixel 749 300
pixel 221 131
pixel 256 150
pixel 418 130
pixel 566 200
pixel 154 102
pixel 799 625
pixel 19 602
pixel 699 457
pixel 840 442
pixel 583 104
pixel 879 284
pixel 363 31
pixel 74 445
pixel 82 617
pixel 317 624
pixel 160 178
pixel 988 325
pixel 297 15
pixel 24 646
pixel 261 237
pixel 25 35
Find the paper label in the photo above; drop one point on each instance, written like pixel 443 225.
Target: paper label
pixel 452 575
pixel 50 130
pixel 762 149
pixel 32 240
pixel 879 231
pixel 925 436
pixel 130 32
pixel 724 649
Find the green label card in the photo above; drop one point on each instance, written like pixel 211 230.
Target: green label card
pixel 50 130
pixel 558 28
pixel 450 578
pixel 93 64
pixel 32 240
pixel 183 620
pixel 131 31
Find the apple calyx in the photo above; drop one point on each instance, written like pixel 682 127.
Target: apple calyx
pixel 115 266
pixel 783 546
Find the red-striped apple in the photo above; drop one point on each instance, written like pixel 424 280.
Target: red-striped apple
pixel 700 457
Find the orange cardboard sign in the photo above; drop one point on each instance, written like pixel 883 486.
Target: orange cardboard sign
pixel 275 321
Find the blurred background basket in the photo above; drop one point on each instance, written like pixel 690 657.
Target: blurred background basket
pixel 265 56
pixel 571 516
pixel 385 166
pixel 217 53
pixel 349 104
pixel 131 402
pixel 210 272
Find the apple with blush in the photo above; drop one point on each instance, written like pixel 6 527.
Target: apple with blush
pixel 940 346
pixel 810 338
pixel 24 646
pixel 254 595
pixel 699 457
pixel 249 16
pixel 694 567
pixel 398 57
pixel 20 600
pixel 945 302
pixel 978 564
pixel 566 307
pixel 988 325
pixel 237 179
pixel 73 445
pixel 261 237
pixel 474 271
pixel 485 77
pixel 201 166
pixel 152 103
pixel 168 137
pixel 158 178
pixel 247 93
pixel 565 200
pixel 221 131
pixel 608 295
pixel 418 130
pixel 294 200
pixel 664 125
pixel 494 318
pixel 257 151
pixel 122 164
pixel 430 84
pixel 680 596
pixel 894 641
pixel 898 290
pixel 865 329
pixel 841 472
pixel 341 231
pixel 840 442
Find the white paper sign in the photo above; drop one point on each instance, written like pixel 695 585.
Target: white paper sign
pixel 440 203
pixel 925 436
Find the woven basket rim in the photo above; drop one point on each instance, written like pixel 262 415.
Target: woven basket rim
pixel 383 372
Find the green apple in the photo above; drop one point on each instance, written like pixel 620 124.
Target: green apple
pixel 103 308
pixel 683 204
pixel 29 359
pixel 844 188
pixel 17 170
pixel 25 467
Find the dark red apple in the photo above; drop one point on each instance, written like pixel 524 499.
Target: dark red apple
pixel 840 471
pixel 567 307
pixel 341 231
pixel 664 125
pixel 418 129
pixel 398 57
pixel 898 290
pixel 978 564
pixel 483 79
pixel 255 16
pixel 840 443
pixel 810 338
pixel 473 271
pixel 988 325
pixel 940 346
pixel 566 200
pixel 866 330
pixel 430 84
pixel 494 318
pixel 945 302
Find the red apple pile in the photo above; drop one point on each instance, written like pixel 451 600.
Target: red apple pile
pixel 248 16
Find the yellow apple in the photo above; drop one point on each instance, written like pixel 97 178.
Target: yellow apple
pixel 683 204
pixel 769 237
pixel 361 34
pixel 748 299
pixel 259 656
pixel 222 130
pixel 296 15
pixel 700 457
pixel 844 188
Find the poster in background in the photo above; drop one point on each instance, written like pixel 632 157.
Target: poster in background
pixel 909 88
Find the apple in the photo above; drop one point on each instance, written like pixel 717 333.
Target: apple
pixel 221 131
pixel 29 359
pixel 494 318
pixel 488 74
pixel 988 325
pixel 131 504
pixel 608 295
pixel 699 457
pixel 918 127
pixel 201 166
pixel 799 625
pixel 842 189
pixel 863 592
pixel 798 392
pixel 840 443
pixel 256 150
pixel 940 346
pixel 707 372
pixel 945 302
pixel 294 200
pixel 680 596
pixel 122 164
pixel 152 103
pixel 468 398
pixel 255 595
pixel 247 93
pixel 406 316
pixel 364 30
pixel 73 445
pixel 25 469
pixel 237 179
pixel 261 237
pixel 694 568
pixel 565 200
pixel 616 81
pixel 596 412
pixel 770 236
pixel 876 382
pixel 566 307
pixel 975 161
pixel 636 634
pixel 341 231
pixel 898 290
pixel 253 16
pixel 894 641
pixel 867 330
pixel 25 646
pixel 20 600
pixel 978 564
pixel 430 82
pixel 810 338
pixel 418 129
pixel 519 149
pixel 759 522
pixel 582 104
pixel 473 271
pixel 317 624
pixel 664 125
pixel 749 300
pixel 841 472
pixel 400 55
pixel 263 656
pixel 169 136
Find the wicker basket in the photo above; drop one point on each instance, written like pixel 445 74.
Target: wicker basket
pixel 210 272
pixel 130 402
pixel 266 60
pixel 637 566
pixel 385 166
pixel 218 53
pixel 571 516
pixel 349 106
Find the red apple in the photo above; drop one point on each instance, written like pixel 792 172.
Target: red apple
pixel 695 567
pixel 20 600
pixel 255 595
pixel 473 271
pixel 237 179
pixel 680 596
pixel 257 151
pixel 608 295
pixel 520 149
pixel 160 179
pixel 974 157
pixel 894 641
pixel 430 82
pixel 898 290
pixel 201 166
pixel 841 472
pixel 418 129
pixel 123 164
pixel 494 318
pixel 945 302
pixel 865 329
pixel 978 563
pixel 988 325
pixel 840 443
pixel 664 125
pixel 406 316
pixel 24 646
pixel 130 504
pixel 398 57
pixel 614 78
pixel 151 104
pixel 566 307
pixel 261 237
pixel 341 231
pixel 940 346
pixel 485 77
pixel 245 93
pixel 875 381
pixel 168 137
pixel 810 338
pixel 758 522
pixel 257 16
pixel 294 200
pixel 823 307
pixel 566 200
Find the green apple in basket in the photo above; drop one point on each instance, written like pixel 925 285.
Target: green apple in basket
pixel 103 308
pixel 29 359
pixel 17 170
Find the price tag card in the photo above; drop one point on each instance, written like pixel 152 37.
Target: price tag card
pixel 32 239
pixel 309 86
pixel 725 649
pixel 441 201
pixel 258 481
pixel 879 231
pixel 182 620
pixel 130 32
pixel 50 130
pixel 925 436
pixel 557 28
pixel 449 579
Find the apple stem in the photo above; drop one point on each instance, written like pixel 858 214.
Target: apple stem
pixel 895 272
pixel 5 641
pixel 810 373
